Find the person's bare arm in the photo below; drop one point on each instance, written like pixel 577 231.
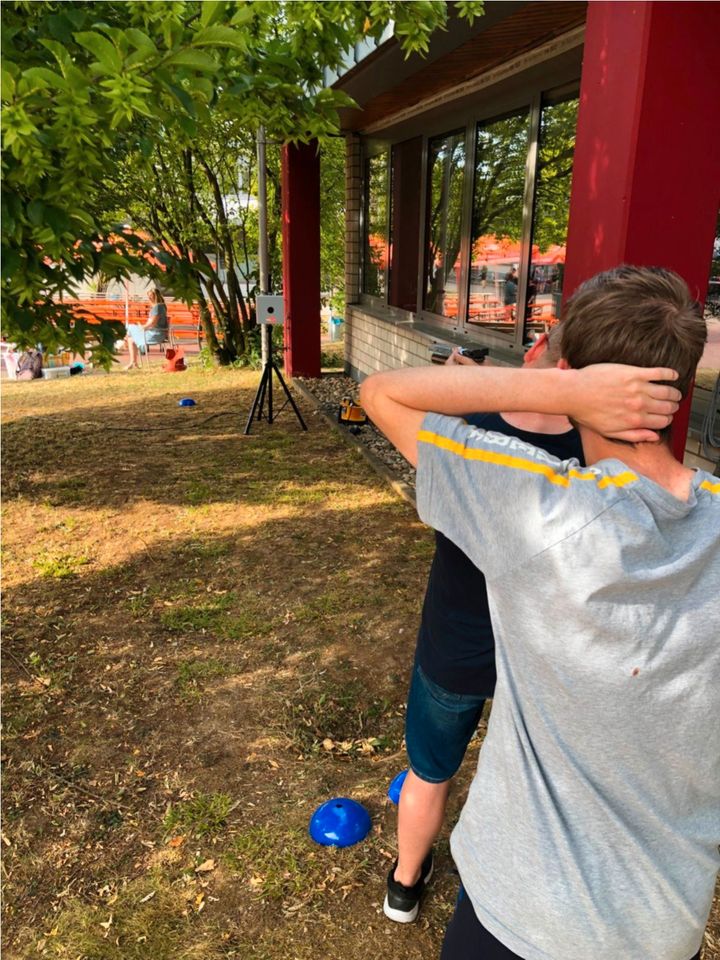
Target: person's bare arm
pixel 618 401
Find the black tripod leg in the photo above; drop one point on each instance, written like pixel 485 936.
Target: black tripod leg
pixel 257 402
pixel 262 389
pixel 270 390
pixel 289 396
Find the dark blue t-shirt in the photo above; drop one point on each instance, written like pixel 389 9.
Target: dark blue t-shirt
pixel 455 646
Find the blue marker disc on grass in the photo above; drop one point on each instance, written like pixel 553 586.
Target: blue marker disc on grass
pixel 186 402
pixel 340 823
pixel 396 786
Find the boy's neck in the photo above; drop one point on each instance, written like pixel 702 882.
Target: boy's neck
pixel 652 460
pixel 538 422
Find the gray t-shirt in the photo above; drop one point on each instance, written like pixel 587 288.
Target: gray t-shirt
pixel 591 828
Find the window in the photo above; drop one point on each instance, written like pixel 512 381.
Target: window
pixel 491 227
pixel 446 165
pixel 552 209
pixel 497 221
pixel 375 229
pixel 709 367
pixel 712 301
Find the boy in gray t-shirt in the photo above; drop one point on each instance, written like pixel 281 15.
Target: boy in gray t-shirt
pixel 591 829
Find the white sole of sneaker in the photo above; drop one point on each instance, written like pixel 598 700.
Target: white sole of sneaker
pixel 404 916
pixel 400 916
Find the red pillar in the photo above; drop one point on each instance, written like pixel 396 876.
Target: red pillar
pixel 646 175
pixel 301 258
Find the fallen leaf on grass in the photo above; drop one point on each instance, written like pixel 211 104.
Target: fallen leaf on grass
pixel 206 866
pixel 176 841
pixel 328 744
pixel 148 897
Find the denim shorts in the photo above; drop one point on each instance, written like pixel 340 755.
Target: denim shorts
pixel 438 727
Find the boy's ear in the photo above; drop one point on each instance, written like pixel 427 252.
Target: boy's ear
pixel 536 350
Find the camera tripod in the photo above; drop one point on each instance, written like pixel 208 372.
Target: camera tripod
pixel 265 393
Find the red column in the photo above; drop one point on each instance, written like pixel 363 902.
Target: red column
pixel 301 258
pixel 646 175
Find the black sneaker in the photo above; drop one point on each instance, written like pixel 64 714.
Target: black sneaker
pixel 403 903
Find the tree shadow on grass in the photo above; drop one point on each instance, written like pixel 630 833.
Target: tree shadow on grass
pixel 116 455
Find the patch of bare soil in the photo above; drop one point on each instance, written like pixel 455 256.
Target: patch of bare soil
pixel 206 636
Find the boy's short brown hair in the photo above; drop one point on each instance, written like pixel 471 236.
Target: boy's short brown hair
pixel 643 316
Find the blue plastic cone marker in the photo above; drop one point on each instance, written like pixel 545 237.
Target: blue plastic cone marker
pixel 186 402
pixel 396 786
pixel 340 823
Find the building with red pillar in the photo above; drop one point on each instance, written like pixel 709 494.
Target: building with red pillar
pixel 524 153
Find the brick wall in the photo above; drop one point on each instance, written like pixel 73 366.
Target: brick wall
pixel 373 344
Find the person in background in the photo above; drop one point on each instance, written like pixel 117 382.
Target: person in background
pixel 155 330
pixel 592 825
pixel 510 288
pixel 454 669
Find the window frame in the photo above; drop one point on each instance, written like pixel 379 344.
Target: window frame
pixel 548 98
pixel 424 216
pixel 514 339
pixel 370 150
pixel 532 96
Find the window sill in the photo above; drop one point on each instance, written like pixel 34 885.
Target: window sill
pixel 502 352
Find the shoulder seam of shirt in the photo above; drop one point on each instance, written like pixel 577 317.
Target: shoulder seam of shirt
pixel 520 463
pixel 556 543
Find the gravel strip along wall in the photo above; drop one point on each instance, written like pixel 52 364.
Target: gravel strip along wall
pixel 327 392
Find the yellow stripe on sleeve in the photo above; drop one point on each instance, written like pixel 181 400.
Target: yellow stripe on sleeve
pixel 712 487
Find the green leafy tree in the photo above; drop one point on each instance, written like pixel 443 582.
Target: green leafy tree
pixel 79 79
pixel 186 196
pixel 332 222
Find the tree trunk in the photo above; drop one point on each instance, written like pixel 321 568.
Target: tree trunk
pixel 238 319
pixel 208 328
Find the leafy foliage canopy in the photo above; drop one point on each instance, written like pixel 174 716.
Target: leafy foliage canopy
pixel 81 81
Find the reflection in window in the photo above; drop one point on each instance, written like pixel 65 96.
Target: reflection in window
pixel 709 368
pixel 446 165
pixel 375 239
pixel 497 216
pixel 552 209
pixel 712 301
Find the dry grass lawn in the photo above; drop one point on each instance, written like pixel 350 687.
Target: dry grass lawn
pixel 206 636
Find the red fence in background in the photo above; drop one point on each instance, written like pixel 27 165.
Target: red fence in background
pixel 184 321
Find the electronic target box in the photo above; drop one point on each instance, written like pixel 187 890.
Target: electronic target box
pixel 270 309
